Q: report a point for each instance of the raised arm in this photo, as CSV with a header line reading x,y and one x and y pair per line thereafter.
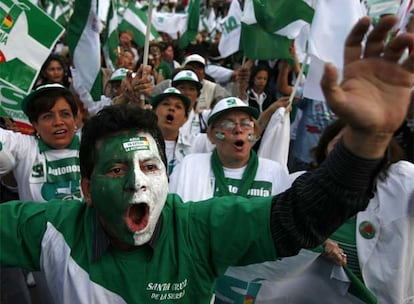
x,y
373,99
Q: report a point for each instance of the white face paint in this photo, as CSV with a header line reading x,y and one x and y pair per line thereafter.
x,y
156,184
130,186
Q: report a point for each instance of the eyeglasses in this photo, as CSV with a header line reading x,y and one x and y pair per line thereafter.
x,y
229,125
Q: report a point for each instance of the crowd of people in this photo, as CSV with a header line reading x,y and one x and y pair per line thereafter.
x,y
158,191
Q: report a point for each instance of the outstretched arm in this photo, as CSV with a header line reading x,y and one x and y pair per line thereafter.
x,y
373,99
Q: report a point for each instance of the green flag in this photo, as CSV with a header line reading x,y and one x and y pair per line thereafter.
x,y
275,15
269,27
192,24
24,42
135,20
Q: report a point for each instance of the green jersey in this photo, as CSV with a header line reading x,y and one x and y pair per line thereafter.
x,y
196,243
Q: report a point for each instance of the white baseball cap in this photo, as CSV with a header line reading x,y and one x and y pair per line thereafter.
x,y
40,90
119,74
194,58
171,91
229,104
186,75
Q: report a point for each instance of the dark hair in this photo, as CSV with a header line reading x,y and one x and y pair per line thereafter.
x,y
47,100
62,62
113,120
256,69
320,151
394,151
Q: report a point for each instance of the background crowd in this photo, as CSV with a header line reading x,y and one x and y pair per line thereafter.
x,y
218,117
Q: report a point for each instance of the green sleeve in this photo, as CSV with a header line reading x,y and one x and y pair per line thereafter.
x,y
22,225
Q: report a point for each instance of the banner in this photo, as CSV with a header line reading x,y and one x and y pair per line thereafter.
x,y
24,42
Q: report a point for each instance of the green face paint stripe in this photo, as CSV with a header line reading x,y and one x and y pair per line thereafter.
x,y
136,143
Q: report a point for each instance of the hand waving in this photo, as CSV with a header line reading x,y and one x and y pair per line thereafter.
x,y
375,92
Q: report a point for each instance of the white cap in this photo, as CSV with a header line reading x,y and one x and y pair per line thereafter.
x,y
171,91
119,74
194,58
229,104
186,75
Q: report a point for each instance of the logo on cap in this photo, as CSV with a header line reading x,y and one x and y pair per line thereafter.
x,y
231,102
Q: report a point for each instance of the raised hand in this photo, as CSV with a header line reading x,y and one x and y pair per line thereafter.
x,y
375,92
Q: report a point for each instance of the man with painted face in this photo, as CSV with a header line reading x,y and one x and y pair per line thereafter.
x,y
133,243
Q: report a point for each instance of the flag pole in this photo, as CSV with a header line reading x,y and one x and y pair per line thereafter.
x,y
304,62
298,80
147,41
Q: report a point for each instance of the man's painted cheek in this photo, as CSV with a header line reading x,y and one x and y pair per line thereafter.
x,y
110,198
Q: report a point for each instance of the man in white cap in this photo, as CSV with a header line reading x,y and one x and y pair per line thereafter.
x,y
233,168
210,91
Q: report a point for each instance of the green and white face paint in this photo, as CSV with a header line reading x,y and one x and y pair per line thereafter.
x,y
129,186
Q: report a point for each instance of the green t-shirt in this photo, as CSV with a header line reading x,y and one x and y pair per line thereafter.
x,y
197,242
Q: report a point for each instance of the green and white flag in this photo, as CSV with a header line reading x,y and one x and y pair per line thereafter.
x,y
83,40
111,44
230,30
60,10
24,42
135,20
268,27
209,21
10,106
193,23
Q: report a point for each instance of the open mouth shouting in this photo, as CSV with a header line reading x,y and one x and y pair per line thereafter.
x,y
137,216
238,144
170,118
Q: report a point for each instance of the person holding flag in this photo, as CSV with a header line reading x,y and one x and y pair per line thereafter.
x,y
131,242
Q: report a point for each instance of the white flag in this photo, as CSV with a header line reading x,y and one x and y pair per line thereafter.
x,y
276,138
170,23
231,29
327,37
